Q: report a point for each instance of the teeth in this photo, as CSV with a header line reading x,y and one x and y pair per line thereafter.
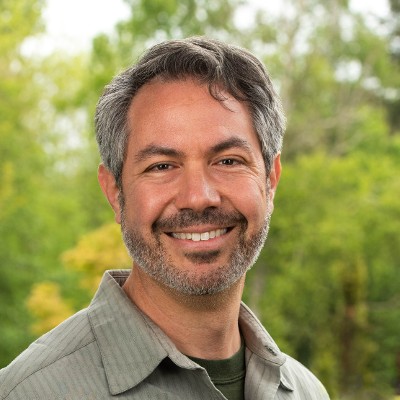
x,y
205,236
196,237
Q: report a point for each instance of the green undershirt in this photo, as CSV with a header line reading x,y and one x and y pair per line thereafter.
x,y
227,375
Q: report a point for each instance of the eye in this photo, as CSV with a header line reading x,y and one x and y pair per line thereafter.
x,y
159,167
162,167
229,161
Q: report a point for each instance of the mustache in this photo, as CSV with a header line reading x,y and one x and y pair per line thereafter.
x,y
187,218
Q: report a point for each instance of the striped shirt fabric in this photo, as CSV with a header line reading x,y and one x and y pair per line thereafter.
x,y
111,350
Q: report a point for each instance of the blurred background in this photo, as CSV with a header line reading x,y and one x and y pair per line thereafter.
x,y
327,285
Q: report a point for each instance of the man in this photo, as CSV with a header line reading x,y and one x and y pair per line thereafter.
x,y
190,140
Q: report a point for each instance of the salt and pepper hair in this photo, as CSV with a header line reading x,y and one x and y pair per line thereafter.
x,y
218,65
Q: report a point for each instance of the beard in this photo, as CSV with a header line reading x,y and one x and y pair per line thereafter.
x,y
152,258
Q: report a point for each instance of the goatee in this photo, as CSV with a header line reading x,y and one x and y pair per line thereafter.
x,y
150,255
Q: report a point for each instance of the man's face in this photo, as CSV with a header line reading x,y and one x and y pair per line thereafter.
x,y
196,201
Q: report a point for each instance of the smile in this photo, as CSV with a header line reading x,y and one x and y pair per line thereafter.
x,y
196,237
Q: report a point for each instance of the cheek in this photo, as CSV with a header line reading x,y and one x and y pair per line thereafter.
x,y
145,205
252,201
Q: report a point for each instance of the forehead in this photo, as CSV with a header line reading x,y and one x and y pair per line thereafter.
x,y
179,110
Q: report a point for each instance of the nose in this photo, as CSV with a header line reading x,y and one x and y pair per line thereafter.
x,y
197,191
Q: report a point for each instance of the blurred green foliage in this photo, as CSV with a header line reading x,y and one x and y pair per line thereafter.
x,y
326,285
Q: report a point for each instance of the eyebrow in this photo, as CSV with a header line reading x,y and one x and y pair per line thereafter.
x,y
233,142
155,150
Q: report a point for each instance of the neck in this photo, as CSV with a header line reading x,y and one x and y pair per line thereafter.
x,y
199,326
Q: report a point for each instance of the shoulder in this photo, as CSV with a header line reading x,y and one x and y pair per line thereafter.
x,y
48,353
300,379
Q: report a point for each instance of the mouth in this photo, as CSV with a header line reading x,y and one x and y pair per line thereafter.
x,y
200,236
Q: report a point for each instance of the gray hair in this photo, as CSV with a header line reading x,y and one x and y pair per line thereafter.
x,y
219,65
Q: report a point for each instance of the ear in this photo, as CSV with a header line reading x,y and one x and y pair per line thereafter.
x,y
274,177
110,189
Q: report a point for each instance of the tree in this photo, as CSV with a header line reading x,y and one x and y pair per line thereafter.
x,y
95,252
328,62
18,19
38,216
326,282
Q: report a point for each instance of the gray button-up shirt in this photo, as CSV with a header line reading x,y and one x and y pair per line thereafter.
x,y
112,350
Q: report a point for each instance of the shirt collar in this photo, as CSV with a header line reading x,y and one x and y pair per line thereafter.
x,y
257,338
128,348
132,346
260,342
